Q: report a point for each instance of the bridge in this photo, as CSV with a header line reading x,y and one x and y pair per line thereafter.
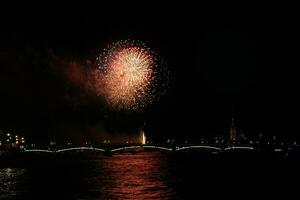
x,y
151,147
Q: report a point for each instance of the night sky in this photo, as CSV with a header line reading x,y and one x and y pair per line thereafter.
x,y
218,55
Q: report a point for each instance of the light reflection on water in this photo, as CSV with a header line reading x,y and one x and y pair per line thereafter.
x,y
145,175
122,176
137,177
9,178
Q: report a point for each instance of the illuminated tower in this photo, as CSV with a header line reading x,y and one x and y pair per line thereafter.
x,y
232,132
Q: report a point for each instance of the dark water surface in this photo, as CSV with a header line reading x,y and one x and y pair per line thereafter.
x,y
147,175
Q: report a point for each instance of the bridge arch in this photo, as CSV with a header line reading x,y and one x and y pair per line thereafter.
x,y
38,150
238,148
79,149
199,147
145,147
157,147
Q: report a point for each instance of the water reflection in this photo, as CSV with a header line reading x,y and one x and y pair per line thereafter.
x,y
10,179
136,176
122,176
146,175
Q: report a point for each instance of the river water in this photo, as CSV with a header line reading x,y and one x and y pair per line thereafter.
x,y
146,175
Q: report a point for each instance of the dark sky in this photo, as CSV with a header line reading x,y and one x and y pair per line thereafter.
x,y
217,54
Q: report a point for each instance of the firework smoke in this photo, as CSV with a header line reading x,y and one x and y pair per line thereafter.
x,y
126,75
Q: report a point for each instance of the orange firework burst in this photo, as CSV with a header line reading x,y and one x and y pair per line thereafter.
x,y
129,75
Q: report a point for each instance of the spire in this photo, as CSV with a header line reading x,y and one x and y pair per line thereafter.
x,y
232,131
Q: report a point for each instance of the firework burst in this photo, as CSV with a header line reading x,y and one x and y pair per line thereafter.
x,y
130,75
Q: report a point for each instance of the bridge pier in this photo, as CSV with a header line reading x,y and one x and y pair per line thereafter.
x,y
107,152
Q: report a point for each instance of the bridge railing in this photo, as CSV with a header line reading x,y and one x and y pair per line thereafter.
x,y
84,148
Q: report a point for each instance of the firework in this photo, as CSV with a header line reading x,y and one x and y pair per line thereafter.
x,y
129,75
